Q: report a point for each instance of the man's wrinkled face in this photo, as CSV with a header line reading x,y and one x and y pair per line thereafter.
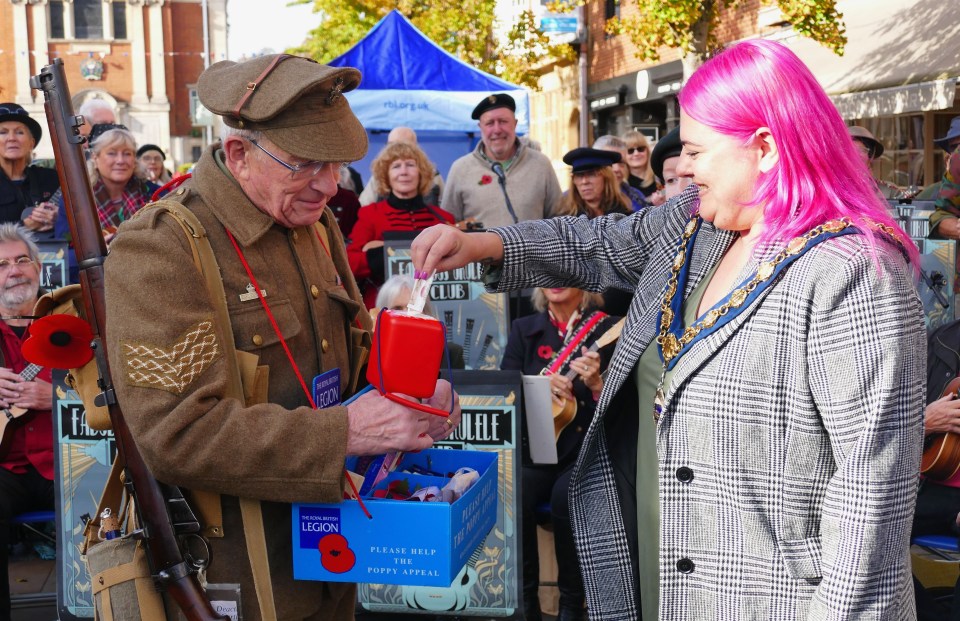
x,y
498,128
290,198
19,275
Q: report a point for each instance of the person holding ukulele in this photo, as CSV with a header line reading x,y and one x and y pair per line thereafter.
x,y
556,341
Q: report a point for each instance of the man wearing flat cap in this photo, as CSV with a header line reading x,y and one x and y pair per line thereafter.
x,y
503,180
261,195
870,150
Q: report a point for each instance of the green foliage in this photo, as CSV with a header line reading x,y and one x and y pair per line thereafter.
x,y
462,27
691,25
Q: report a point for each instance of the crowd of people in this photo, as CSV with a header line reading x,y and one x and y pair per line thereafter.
x,y
749,449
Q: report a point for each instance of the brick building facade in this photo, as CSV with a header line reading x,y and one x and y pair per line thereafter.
x,y
143,57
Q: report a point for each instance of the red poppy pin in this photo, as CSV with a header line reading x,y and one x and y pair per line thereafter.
x,y
545,352
484,180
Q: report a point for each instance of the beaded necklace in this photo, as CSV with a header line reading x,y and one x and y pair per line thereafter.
x,y
673,340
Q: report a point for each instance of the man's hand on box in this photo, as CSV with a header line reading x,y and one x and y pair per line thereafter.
x,y
378,425
443,426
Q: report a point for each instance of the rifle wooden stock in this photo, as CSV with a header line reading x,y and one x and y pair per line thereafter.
x,y
170,570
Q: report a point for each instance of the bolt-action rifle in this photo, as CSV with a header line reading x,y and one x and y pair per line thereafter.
x,y
170,571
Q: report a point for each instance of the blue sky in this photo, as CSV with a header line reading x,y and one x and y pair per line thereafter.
x,y
258,24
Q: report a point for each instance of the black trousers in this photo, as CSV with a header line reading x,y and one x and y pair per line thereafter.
x,y
18,493
542,484
936,514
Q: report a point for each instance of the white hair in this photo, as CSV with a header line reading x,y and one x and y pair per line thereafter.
x,y
92,105
393,287
246,134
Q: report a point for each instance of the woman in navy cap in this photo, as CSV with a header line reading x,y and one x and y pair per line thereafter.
x,y
594,190
23,186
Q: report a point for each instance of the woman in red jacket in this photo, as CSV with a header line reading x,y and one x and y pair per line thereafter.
x,y
405,169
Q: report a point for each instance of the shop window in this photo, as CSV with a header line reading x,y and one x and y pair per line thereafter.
x,y
612,9
902,161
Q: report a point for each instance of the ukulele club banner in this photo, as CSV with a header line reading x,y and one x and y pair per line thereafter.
x,y
53,264
82,464
474,319
487,586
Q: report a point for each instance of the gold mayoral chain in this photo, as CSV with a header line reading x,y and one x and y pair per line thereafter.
x,y
671,344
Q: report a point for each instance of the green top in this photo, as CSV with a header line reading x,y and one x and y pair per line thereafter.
x,y
647,377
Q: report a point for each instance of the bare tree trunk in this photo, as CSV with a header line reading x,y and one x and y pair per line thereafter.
x,y
700,39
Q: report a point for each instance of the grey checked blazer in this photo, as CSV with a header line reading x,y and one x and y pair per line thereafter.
x,y
801,421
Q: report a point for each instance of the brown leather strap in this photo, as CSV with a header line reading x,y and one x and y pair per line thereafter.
x,y
255,535
252,86
250,510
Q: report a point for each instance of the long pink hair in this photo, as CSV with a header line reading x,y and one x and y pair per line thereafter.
x,y
820,175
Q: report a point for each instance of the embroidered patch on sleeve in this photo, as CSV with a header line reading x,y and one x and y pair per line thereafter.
x,y
172,369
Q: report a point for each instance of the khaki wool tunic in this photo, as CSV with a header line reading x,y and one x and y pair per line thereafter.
x,y
159,317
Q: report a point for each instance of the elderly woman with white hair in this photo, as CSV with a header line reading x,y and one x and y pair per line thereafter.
x,y
394,294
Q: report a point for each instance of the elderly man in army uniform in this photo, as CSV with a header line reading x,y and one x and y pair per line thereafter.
x,y
258,194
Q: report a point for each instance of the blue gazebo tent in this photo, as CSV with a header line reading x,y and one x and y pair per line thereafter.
x,y
410,80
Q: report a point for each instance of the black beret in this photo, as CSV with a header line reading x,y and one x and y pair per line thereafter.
x,y
15,112
151,147
667,147
100,129
585,158
490,102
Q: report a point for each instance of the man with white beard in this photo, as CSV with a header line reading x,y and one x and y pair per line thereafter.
x,y
26,454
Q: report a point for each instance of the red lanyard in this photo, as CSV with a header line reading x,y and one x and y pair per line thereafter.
x,y
273,322
286,348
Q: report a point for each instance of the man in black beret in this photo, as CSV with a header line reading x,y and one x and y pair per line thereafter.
x,y
664,160
503,180
261,195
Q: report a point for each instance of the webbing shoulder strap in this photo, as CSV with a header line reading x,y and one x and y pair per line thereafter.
x,y
206,262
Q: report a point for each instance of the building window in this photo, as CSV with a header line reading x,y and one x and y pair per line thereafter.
x,y
85,19
119,20
56,19
88,19
612,9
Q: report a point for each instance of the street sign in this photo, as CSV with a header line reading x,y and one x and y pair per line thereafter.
x,y
558,24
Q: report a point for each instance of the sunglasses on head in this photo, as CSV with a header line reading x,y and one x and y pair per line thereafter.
x,y
640,149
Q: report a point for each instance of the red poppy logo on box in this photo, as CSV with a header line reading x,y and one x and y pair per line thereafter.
x,y
484,180
335,554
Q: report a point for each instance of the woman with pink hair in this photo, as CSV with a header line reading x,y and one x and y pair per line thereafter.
x,y
755,447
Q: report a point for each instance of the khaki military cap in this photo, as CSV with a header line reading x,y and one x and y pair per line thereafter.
x,y
297,103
